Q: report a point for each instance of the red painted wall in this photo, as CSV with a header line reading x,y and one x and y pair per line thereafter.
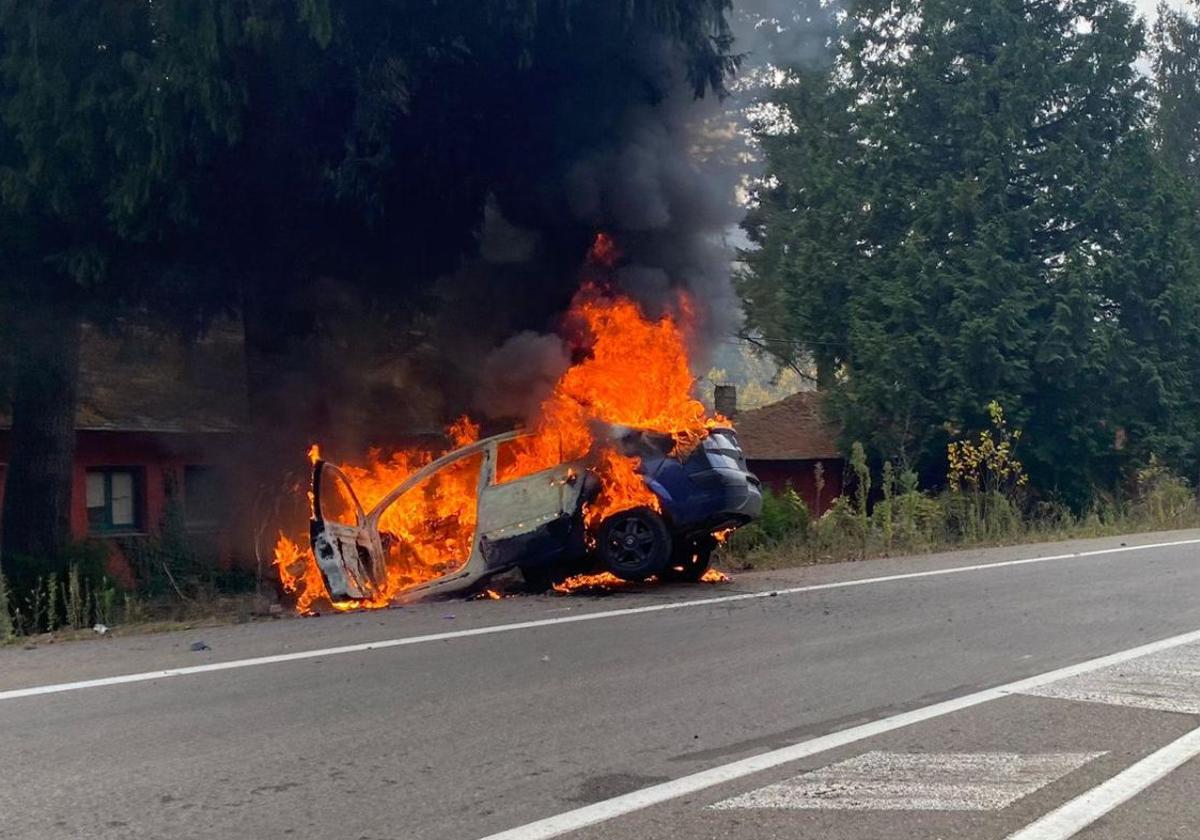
x,y
160,458
801,476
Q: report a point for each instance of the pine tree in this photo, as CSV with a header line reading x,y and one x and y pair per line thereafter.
x,y
1003,231
1176,53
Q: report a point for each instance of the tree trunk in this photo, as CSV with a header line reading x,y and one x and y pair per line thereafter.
x,y
36,521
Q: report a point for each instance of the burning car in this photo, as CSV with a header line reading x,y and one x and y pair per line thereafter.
x,y
540,522
632,480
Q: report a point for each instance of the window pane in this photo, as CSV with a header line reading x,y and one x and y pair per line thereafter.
x,y
122,499
95,489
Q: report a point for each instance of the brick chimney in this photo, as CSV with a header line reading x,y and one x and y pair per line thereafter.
x,y
725,401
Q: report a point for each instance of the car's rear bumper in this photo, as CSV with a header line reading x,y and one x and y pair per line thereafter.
x,y
742,493
720,498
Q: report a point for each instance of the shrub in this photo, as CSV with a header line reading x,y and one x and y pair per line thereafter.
x,y
7,629
979,516
1164,499
74,599
862,489
104,600
1054,517
784,516
52,616
917,521
841,532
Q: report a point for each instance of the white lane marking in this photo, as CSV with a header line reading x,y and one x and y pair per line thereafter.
x,y
102,682
656,794
1083,810
1167,683
889,781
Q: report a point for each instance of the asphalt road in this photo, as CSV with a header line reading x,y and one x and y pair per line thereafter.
x,y
514,712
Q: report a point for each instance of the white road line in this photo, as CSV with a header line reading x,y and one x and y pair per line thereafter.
x,y
1084,810
902,781
656,794
102,682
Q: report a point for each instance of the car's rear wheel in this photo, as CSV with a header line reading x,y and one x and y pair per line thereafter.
x,y
691,559
634,544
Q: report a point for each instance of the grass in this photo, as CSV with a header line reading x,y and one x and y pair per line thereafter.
x,y
133,615
917,523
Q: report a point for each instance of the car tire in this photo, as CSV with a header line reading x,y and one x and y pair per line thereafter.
x,y
690,560
634,544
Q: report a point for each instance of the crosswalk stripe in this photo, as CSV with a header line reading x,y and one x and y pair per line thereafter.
x,y
1168,682
889,781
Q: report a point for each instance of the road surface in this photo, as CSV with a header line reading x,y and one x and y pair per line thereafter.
x,y
1031,692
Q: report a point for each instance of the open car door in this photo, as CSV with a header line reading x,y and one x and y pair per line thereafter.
x,y
360,561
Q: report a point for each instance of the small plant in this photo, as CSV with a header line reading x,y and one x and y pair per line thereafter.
x,y
7,627
989,464
37,607
74,599
784,516
134,609
887,517
988,470
104,601
52,615
840,533
862,489
1163,498
909,503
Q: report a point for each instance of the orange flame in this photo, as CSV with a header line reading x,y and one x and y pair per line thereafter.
x,y
632,371
463,431
603,581
298,573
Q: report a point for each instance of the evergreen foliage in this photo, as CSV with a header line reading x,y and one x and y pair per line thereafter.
x,y
971,207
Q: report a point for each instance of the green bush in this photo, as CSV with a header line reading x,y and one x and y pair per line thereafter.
x,y
1053,517
1164,500
841,533
784,516
979,516
917,521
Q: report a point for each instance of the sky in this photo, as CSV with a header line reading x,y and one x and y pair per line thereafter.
x,y
1147,7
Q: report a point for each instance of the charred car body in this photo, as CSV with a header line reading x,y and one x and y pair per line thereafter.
x,y
536,522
